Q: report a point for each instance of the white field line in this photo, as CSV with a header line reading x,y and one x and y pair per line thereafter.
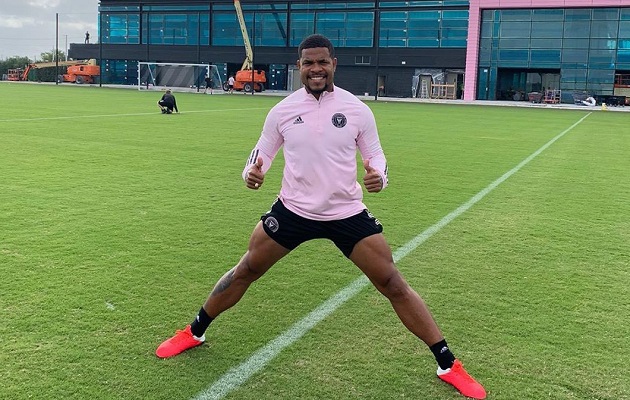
x,y
236,376
126,115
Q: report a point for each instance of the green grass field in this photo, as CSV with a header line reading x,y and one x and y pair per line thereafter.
x,y
116,220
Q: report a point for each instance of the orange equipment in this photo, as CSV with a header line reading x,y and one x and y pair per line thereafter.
x,y
243,80
247,78
80,71
14,74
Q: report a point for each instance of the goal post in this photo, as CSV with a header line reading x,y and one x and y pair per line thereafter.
x,y
160,76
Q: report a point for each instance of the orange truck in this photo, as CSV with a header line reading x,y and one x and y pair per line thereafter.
x,y
243,80
81,73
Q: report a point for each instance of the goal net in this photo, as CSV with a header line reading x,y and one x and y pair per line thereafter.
x,y
160,76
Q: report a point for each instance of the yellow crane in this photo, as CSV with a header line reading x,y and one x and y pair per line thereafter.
x,y
247,78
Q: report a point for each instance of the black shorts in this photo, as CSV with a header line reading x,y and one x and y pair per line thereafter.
x,y
290,230
166,104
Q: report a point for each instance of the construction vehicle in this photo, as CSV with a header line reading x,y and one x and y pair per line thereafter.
x,y
14,74
80,71
247,79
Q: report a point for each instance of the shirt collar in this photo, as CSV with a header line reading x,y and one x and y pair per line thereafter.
x,y
322,95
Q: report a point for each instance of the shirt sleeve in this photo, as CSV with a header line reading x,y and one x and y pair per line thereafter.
x,y
370,145
267,146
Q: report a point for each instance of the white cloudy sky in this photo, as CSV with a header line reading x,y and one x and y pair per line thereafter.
x,y
27,27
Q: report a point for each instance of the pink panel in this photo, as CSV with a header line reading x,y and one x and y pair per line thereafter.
x,y
472,51
582,3
516,4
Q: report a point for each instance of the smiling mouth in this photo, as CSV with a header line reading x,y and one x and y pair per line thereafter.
x,y
317,78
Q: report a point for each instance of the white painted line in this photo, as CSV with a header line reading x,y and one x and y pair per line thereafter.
x,y
126,115
236,376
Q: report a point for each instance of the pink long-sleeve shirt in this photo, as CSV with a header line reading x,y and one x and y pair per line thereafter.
x,y
320,139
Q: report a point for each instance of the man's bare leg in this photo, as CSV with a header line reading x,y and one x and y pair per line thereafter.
x,y
262,254
374,257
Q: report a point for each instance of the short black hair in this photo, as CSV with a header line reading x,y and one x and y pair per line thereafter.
x,y
314,41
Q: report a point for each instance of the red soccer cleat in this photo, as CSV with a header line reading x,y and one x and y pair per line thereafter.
x,y
183,340
459,378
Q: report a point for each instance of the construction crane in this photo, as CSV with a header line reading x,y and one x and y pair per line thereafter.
x,y
247,78
248,64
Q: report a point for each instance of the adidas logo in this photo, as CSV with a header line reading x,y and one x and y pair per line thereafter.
x,y
298,120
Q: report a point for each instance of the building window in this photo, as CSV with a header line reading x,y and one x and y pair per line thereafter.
x,y
454,28
225,30
120,28
329,5
363,60
302,25
346,29
270,29
175,29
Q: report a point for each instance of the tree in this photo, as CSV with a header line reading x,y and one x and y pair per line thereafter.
x,y
40,74
48,74
49,56
13,62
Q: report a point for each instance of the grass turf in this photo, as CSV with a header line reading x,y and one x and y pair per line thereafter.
x,y
116,220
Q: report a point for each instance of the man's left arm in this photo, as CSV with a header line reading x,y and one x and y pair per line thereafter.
x,y
373,180
374,160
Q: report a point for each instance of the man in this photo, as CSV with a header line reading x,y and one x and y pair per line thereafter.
x,y
167,103
320,128
87,37
231,84
208,84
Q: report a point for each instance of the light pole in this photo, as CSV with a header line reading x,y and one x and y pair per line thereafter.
x,y
377,40
56,48
253,47
100,49
66,47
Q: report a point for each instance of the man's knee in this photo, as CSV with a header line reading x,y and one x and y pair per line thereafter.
x,y
393,286
248,269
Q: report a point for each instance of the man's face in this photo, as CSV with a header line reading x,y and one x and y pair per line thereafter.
x,y
317,70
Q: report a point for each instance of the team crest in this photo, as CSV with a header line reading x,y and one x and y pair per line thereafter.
x,y
272,224
339,120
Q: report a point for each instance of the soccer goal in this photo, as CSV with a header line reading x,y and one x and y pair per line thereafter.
x,y
160,76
